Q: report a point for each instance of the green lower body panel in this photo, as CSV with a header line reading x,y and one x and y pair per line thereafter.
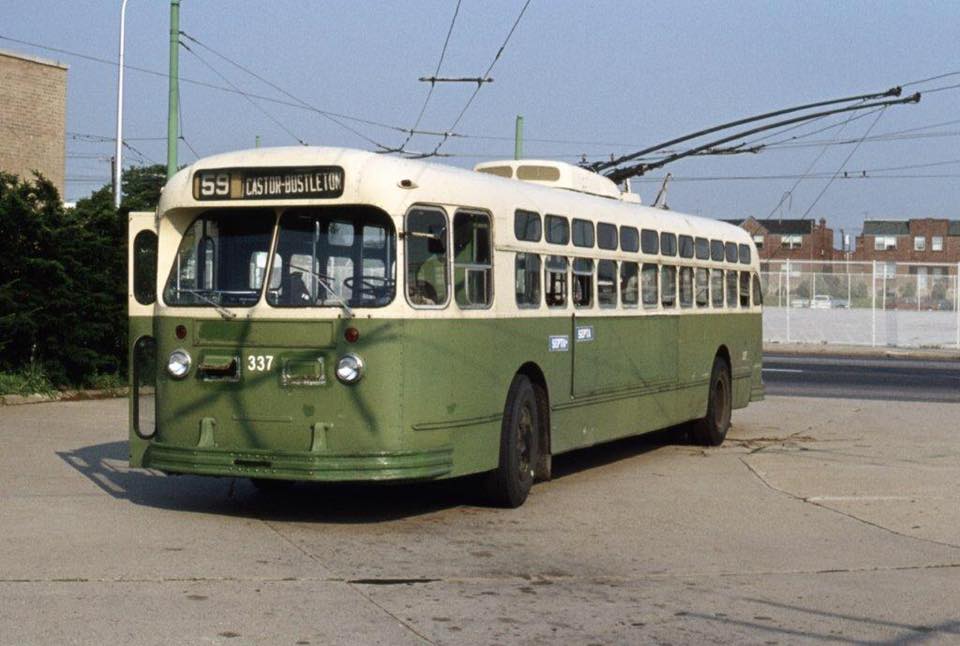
x,y
398,465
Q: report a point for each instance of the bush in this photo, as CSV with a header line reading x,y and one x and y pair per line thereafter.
x,y
28,381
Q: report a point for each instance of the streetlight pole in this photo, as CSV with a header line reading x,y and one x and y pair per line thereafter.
x,y
118,165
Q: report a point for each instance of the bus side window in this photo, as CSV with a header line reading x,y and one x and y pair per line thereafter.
x,y
145,267
757,291
426,241
744,289
731,288
716,287
556,281
527,278
648,285
668,286
630,284
607,283
686,284
582,282
703,287
472,267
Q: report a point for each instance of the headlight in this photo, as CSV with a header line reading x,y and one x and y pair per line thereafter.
x,y
178,365
349,368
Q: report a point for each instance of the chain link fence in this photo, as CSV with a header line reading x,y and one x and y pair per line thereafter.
x,y
861,303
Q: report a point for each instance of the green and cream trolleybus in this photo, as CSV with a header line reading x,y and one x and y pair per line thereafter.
x,y
337,315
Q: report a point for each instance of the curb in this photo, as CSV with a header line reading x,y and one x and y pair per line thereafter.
x,y
63,396
825,350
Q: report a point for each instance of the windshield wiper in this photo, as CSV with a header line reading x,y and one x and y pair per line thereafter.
x,y
323,283
221,310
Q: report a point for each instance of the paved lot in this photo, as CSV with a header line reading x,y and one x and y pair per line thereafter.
x,y
819,521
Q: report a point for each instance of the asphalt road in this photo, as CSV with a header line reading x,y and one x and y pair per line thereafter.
x,y
859,378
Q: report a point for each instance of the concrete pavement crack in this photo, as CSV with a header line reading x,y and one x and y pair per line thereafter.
x,y
354,587
863,521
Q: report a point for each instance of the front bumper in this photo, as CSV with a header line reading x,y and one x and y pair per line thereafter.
x,y
347,467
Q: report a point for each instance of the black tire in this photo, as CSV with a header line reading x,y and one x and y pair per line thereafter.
x,y
509,484
712,429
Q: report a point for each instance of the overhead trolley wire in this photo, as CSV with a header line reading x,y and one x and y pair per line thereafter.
x,y
300,103
247,97
446,135
842,166
433,84
221,88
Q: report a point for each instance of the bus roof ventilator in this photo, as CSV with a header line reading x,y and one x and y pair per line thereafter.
x,y
557,175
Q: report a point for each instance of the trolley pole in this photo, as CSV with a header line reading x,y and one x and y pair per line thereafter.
x,y
173,104
518,138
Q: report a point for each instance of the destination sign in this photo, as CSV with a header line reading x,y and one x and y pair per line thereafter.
x,y
277,183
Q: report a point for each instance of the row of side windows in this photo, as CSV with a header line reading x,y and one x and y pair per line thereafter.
x,y
649,284
557,229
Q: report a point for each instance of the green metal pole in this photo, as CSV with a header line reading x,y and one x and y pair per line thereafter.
x,y
173,105
518,139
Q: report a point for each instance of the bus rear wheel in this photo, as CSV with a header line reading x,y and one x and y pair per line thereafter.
x,y
712,429
509,484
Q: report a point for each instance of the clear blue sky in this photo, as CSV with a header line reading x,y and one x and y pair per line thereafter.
x,y
606,76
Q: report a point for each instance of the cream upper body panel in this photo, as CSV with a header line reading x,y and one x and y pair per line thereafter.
x,y
395,184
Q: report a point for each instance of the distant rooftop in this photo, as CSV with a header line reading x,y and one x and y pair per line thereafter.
x,y
901,227
780,226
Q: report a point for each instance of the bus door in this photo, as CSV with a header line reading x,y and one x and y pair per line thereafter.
x,y
142,349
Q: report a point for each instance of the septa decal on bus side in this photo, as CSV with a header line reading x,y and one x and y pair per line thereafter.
x,y
584,333
559,343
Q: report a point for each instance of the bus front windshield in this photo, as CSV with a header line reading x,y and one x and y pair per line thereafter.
x,y
333,256
222,259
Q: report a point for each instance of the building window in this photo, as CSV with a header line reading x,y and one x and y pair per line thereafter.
x,y
758,240
792,241
884,243
919,243
936,243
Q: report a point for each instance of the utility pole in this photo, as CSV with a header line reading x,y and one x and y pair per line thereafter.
x,y
118,154
173,104
518,138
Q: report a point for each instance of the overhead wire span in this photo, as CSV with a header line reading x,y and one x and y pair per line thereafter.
x,y
244,95
213,86
810,167
331,116
476,91
842,166
426,101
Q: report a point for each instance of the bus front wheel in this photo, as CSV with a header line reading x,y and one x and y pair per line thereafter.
x,y
510,482
712,429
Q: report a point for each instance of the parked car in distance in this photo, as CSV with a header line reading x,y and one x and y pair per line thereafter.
x,y
841,304
799,302
821,302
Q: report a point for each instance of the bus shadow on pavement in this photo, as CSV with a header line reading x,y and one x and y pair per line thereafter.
x,y
105,465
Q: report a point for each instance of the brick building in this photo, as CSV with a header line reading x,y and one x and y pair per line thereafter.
x,y
33,110
917,241
790,239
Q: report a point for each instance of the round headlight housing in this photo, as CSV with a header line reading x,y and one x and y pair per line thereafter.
x,y
178,365
349,368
